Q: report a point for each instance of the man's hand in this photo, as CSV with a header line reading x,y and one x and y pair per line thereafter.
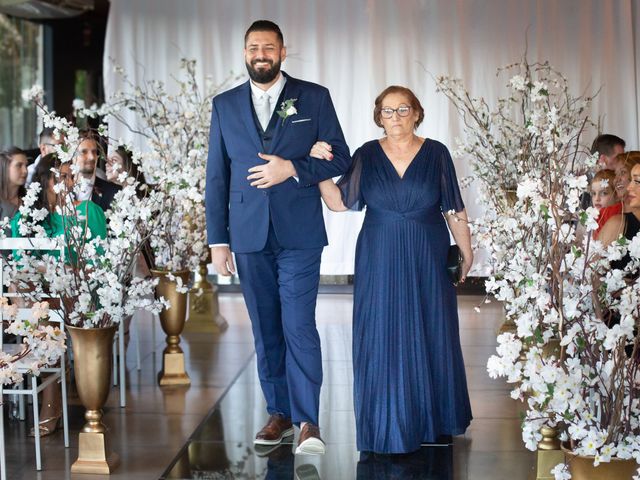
x,y
223,260
275,171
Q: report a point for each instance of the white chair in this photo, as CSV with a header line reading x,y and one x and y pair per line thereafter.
x,y
120,358
55,372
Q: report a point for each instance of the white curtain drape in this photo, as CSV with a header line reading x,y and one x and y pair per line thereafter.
x,y
359,47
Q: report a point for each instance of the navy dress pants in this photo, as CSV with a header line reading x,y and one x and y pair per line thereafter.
x,y
280,288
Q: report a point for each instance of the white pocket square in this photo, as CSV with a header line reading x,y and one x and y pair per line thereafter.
x,y
301,120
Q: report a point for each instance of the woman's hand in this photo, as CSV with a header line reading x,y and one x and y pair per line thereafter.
x,y
459,226
467,262
321,150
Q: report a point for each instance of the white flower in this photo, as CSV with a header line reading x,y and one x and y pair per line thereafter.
x,y
291,111
561,472
78,104
35,93
518,82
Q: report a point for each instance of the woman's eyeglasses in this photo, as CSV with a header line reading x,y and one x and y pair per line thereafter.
x,y
402,111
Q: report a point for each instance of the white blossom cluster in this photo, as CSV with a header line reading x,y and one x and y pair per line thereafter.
x,y
42,344
574,313
176,132
96,282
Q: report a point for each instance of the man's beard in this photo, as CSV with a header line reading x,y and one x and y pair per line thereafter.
x,y
87,171
264,75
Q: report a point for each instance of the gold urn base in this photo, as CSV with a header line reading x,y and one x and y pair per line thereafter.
x,y
546,461
93,456
204,311
549,453
203,314
173,373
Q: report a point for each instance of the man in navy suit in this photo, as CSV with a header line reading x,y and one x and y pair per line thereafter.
x,y
263,203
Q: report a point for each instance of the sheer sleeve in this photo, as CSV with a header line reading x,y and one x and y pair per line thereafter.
x,y
349,183
450,197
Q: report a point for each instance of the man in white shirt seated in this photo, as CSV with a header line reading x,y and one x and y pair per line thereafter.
x,y
89,184
47,144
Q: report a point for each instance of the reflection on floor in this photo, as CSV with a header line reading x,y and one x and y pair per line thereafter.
x,y
159,425
156,422
222,445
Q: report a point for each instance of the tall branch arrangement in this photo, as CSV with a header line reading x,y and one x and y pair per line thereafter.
x,y
572,358
95,283
175,131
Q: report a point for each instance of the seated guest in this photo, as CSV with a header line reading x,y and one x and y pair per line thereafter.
x,y
13,176
92,187
54,225
47,144
626,221
625,162
120,161
627,225
603,193
608,147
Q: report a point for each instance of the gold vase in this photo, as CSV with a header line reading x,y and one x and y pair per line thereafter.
x,y
204,310
509,325
92,350
172,321
581,467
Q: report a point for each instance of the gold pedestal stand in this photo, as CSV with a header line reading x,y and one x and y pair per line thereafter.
x,y
549,454
173,372
204,312
92,348
93,456
172,321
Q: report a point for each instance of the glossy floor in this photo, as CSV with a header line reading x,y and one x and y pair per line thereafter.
x,y
178,434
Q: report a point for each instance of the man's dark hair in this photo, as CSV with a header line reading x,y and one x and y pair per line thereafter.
x,y
605,143
264,26
47,132
87,134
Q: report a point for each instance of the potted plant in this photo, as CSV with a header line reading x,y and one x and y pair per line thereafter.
x,y
95,282
173,128
572,366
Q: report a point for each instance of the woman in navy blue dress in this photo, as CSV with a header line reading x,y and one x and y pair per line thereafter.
x,y
409,379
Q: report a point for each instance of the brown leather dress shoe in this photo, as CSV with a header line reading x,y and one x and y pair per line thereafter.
x,y
310,442
274,431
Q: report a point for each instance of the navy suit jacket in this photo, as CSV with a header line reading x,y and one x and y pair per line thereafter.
x,y
103,193
238,213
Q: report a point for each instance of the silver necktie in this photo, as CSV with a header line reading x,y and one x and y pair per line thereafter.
x,y
264,113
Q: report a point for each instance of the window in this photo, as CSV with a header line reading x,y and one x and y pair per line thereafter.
x,y
20,68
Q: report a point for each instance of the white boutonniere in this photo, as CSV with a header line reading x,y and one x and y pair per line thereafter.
x,y
287,109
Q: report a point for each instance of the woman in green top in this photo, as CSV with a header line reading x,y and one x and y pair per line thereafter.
x,y
88,214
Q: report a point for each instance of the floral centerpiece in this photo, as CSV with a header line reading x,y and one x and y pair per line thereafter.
x,y
572,357
95,282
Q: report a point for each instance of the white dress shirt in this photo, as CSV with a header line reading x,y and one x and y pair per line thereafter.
x,y
257,94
